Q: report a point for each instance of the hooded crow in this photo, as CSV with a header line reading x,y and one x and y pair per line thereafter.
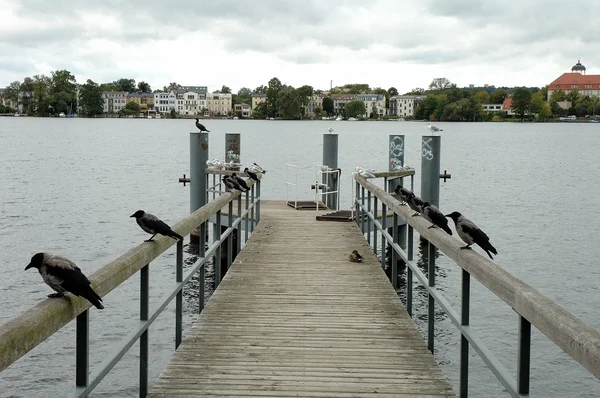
x,y
251,174
415,203
355,257
471,234
154,225
403,193
229,185
432,214
240,181
201,126
62,275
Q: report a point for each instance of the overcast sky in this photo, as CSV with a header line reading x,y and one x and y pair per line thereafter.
x,y
400,43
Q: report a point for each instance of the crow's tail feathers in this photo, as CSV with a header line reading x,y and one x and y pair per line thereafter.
x,y
175,235
489,248
447,229
93,298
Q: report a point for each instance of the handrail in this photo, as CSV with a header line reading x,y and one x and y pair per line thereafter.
x,y
26,331
575,337
288,183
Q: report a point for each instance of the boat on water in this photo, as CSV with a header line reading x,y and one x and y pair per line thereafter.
x,y
593,121
352,119
337,119
570,118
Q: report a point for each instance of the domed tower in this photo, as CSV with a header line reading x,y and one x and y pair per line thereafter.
x,y
578,68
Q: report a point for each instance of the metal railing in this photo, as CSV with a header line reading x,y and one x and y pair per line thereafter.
x,y
576,338
324,170
26,331
288,183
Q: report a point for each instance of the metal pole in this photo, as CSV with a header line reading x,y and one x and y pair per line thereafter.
x,y
82,361
144,306
464,343
198,158
430,168
431,303
330,158
179,297
396,161
232,149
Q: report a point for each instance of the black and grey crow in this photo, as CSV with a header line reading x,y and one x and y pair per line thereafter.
x,y
432,214
62,275
201,126
154,225
251,174
229,185
403,193
415,203
241,182
471,234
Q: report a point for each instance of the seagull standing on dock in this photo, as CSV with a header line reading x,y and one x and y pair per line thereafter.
x,y
437,219
154,225
62,275
201,126
471,234
433,128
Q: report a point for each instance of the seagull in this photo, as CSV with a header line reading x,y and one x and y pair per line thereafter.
x,y
257,168
437,219
363,173
201,126
433,128
154,225
471,234
241,182
251,174
415,203
62,275
330,129
355,257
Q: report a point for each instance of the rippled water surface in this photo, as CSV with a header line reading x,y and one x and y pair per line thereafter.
x,y
68,186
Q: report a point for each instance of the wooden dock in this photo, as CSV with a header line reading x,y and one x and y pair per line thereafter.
x,y
294,317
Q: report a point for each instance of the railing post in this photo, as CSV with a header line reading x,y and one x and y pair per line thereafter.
x,y
217,258
464,343
524,354
252,197
330,158
431,302
144,304
383,228
395,238
356,206
179,297
82,349
239,227
229,239
258,203
247,219
396,162
362,210
369,217
430,169
202,278
375,206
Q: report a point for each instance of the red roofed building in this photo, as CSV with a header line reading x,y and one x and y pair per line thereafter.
x,y
577,79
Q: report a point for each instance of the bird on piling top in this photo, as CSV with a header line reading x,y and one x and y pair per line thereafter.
x,y
355,257
62,275
433,128
241,182
330,129
437,219
154,225
471,234
251,174
201,126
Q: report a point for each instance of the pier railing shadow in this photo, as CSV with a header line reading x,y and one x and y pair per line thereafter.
x,y
573,336
23,333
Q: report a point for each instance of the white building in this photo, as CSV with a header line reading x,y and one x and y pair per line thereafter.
x,y
114,101
190,100
165,102
314,101
219,104
405,105
492,107
374,103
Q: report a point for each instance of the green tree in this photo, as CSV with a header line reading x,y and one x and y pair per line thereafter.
x,y
225,90
539,106
272,93
127,85
13,92
63,91
573,96
392,91
498,96
318,111
356,88
440,84
144,87
173,86
289,103
521,100
328,105
90,98
27,95
244,95
355,108
427,107
260,112
416,91
305,92
109,87
132,108
260,90
41,96
482,97
558,96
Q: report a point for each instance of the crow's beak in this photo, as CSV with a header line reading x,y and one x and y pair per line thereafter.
x,y
133,215
447,215
28,266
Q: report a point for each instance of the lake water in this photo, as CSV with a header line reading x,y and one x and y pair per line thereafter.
x,y
68,186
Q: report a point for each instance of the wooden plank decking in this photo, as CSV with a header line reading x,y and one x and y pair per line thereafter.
x,y
294,318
